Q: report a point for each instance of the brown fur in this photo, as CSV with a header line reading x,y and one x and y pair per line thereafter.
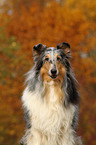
x,y
45,70
57,81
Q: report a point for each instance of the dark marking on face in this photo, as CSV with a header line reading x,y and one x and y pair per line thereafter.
x,y
53,69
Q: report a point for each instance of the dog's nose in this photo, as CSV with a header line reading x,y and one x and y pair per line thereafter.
x,y
53,71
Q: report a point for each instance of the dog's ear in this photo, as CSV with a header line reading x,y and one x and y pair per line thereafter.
x,y
38,49
66,47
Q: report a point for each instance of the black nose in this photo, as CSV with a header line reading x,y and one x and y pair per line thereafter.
x,y
53,71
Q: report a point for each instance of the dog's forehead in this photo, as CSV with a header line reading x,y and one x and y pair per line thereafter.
x,y
51,51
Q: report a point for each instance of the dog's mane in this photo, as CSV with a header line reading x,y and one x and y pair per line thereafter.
x,y
69,85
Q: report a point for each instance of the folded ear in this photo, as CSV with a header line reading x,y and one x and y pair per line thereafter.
x,y
38,49
66,47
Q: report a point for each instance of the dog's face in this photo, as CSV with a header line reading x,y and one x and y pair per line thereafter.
x,y
53,67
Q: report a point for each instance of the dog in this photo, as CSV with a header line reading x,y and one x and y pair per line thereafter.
x,y
51,99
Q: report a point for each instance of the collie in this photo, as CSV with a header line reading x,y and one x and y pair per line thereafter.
x,y
51,100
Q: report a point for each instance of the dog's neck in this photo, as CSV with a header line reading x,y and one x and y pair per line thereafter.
x,y
53,92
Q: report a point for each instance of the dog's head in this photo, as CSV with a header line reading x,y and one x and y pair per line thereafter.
x,y
52,63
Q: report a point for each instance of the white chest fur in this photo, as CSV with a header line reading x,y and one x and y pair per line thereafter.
x,y
51,119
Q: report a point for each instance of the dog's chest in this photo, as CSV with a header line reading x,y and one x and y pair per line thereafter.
x,y
48,117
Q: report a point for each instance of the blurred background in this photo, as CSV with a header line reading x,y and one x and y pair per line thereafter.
x,y
25,23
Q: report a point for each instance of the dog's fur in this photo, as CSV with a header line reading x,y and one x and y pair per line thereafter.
x,y
50,99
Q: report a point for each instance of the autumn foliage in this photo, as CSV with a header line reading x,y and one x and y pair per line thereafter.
x,y
73,22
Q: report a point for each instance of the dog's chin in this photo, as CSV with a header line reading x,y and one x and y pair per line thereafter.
x,y
53,76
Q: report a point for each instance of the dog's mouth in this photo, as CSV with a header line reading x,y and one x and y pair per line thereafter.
x,y
53,76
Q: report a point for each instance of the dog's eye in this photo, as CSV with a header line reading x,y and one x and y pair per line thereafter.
x,y
58,58
46,59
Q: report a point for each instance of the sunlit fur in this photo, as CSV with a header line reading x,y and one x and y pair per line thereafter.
x,y
50,104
